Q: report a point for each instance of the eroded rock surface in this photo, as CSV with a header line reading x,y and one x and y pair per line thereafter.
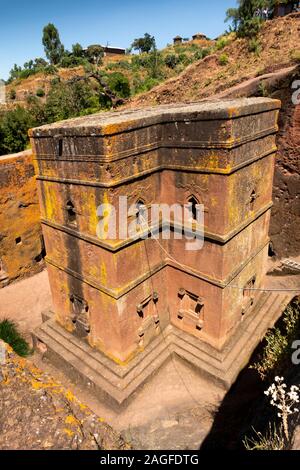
x,y
38,413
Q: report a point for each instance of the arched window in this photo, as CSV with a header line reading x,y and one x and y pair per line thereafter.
x,y
71,214
193,207
253,198
140,212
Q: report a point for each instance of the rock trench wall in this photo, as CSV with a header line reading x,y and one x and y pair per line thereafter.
x,y
21,245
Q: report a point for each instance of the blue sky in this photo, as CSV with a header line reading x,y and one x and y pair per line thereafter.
x,y
115,22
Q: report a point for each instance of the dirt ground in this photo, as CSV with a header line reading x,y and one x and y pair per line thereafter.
x,y
24,301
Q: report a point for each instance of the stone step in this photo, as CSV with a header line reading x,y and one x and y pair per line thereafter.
x,y
257,322
120,371
68,353
267,311
70,346
273,310
210,354
115,373
117,384
77,370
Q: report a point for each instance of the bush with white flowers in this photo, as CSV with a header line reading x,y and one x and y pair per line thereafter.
x,y
284,401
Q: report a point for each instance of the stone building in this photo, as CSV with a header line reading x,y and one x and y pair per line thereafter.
x,y
123,306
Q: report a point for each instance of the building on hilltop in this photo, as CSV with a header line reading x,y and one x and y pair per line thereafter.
x,y
199,36
108,50
177,40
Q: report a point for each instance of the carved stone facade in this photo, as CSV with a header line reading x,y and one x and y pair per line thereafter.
x,y
136,299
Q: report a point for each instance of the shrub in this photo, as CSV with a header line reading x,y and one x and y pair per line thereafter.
x,y
37,110
221,43
198,55
25,73
40,92
254,46
143,85
10,334
205,52
295,56
263,89
66,100
223,59
111,66
150,83
122,64
12,94
194,47
171,60
119,84
139,61
50,70
154,65
179,49
55,81
29,68
14,73
184,58
70,60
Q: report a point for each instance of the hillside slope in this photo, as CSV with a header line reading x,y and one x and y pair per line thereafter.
x,y
271,73
277,47
141,70
278,44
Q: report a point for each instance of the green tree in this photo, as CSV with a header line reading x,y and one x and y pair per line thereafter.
x,y
29,65
243,18
51,41
144,44
155,64
39,62
95,54
29,68
14,127
77,50
66,100
14,73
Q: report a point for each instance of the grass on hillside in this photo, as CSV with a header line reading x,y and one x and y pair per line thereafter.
x,y
10,334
